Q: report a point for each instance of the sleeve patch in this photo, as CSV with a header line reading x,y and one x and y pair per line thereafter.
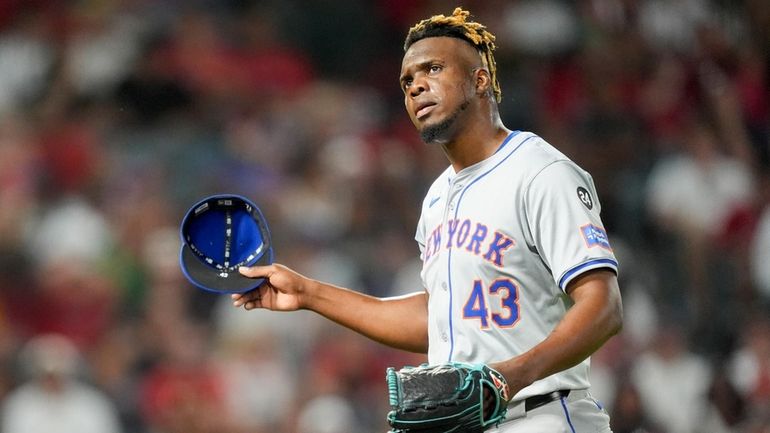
x,y
595,236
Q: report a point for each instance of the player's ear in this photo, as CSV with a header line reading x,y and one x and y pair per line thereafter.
x,y
482,80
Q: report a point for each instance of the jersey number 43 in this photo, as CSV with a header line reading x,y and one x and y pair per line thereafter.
x,y
503,291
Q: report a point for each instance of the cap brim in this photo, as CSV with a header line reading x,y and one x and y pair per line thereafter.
x,y
212,280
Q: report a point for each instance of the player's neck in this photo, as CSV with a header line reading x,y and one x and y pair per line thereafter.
x,y
475,144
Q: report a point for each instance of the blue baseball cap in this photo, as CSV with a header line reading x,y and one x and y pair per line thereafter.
x,y
220,234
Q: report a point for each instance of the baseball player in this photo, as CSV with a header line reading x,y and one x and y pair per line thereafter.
x,y
518,271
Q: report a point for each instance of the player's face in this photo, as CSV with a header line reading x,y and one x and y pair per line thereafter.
x,y
437,80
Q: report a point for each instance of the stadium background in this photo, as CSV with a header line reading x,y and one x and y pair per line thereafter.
x,y
116,115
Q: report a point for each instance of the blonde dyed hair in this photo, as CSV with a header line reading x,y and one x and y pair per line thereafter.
x,y
458,26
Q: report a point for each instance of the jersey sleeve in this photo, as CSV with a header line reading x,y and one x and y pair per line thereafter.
x,y
563,218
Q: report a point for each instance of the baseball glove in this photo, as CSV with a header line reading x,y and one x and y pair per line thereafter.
x,y
446,398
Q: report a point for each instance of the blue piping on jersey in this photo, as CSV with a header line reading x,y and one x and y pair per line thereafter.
x,y
457,210
569,274
598,404
507,139
566,414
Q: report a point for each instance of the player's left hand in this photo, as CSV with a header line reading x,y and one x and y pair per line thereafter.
x,y
446,397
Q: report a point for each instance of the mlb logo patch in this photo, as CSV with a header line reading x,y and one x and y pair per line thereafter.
x,y
595,236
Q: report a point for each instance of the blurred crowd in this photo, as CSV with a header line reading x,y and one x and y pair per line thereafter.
x,y
117,115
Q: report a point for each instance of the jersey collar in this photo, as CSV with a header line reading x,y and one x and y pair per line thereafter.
x,y
473,169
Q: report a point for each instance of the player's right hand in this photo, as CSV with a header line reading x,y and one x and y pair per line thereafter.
x,y
281,291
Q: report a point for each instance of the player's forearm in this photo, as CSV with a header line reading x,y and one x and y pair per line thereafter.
x,y
595,317
400,322
584,329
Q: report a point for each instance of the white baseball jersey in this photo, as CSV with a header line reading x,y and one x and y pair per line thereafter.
x,y
500,240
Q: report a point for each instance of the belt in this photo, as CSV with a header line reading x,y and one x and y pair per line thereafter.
x,y
536,401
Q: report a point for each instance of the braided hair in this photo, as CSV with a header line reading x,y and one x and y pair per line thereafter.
x,y
458,26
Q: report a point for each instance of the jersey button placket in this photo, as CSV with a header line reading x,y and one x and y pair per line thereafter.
x,y
451,200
